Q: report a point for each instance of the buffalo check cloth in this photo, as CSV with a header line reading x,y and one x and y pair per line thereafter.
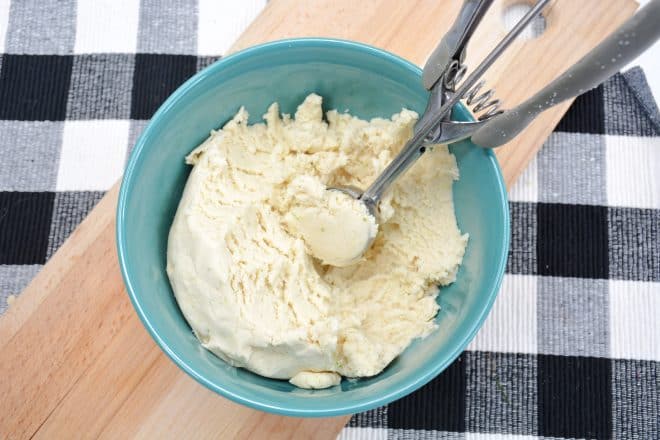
x,y
571,348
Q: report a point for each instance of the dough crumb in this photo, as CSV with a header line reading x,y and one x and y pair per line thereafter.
x,y
315,380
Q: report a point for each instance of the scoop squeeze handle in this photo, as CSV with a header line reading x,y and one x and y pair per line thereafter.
x,y
453,43
616,51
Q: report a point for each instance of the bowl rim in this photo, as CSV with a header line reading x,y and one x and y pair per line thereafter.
x,y
428,372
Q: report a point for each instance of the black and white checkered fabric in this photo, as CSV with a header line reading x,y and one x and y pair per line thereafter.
x,y
572,346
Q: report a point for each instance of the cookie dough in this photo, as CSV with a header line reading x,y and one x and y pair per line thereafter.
x,y
250,274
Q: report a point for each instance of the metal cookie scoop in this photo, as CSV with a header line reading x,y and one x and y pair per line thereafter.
x,y
445,69
435,77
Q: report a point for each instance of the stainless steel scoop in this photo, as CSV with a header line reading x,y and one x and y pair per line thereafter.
x,y
445,68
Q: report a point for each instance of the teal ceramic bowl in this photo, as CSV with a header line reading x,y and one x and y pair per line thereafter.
x,y
367,81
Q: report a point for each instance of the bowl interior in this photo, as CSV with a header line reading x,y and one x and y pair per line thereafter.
x,y
349,76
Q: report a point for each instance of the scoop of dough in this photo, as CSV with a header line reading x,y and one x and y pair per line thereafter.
x,y
336,228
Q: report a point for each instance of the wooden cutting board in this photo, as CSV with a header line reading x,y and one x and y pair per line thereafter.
x,y
75,360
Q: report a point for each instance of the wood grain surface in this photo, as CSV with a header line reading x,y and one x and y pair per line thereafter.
x,y
75,360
